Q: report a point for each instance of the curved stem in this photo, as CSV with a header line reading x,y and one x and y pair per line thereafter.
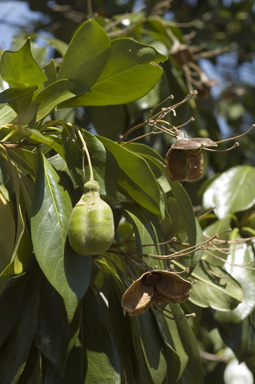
x,y
237,137
85,149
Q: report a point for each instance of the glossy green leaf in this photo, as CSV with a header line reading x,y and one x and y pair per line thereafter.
x,y
26,116
20,70
51,72
120,324
53,326
218,226
14,356
143,229
11,304
67,272
57,92
136,177
104,165
24,158
214,288
86,55
74,369
156,162
103,364
22,242
231,192
172,339
7,114
151,348
21,256
11,94
193,373
131,71
7,228
240,255
193,229
109,121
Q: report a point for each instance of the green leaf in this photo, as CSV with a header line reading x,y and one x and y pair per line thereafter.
x,y
67,272
14,94
241,254
193,373
136,177
120,324
26,116
214,288
22,246
172,338
103,364
151,349
193,229
7,114
217,227
14,355
130,73
104,165
86,55
143,229
20,70
156,162
7,228
231,192
50,72
55,93
109,121
74,370
24,158
53,326
11,305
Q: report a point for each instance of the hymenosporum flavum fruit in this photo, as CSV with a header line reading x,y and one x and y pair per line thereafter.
x,y
91,225
184,160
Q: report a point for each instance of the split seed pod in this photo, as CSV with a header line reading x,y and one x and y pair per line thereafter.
x,y
91,225
153,288
184,160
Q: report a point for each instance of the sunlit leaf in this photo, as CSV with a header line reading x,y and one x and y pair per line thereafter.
x,y
68,273
131,72
86,54
215,288
144,190
104,165
231,192
20,70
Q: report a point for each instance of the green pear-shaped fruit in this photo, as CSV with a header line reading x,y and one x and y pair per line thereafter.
x,y
91,225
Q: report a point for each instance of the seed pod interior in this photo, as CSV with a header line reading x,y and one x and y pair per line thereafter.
x,y
137,297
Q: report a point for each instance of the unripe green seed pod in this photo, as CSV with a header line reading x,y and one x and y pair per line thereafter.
x,y
91,225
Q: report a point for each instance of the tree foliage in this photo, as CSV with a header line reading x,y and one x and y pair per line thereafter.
x,y
174,292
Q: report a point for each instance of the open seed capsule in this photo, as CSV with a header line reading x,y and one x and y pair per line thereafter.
x,y
184,160
153,288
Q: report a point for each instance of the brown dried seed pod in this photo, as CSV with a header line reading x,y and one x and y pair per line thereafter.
x,y
184,160
150,278
153,288
173,287
137,297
